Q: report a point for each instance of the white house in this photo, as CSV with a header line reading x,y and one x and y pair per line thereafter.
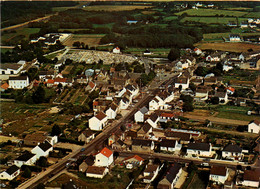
x,y
218,174
155,103
132,89
197,51
98,122
254,127
86,136
201,94
133,161
10,173
124,103
26,159
234,38
251,178
139,115
96,172
172,176
182,81
230,90
199,149
10,69
104,158
153,120
150,173
111,111
18,82
52,139
232,151
223,97
169,145
116,50
43,149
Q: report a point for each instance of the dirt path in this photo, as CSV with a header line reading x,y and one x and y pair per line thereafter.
x,y
216,119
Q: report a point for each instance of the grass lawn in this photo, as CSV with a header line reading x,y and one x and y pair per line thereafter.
x,y
170,18
212,20
4,50
115,7
110,25
212,12
236,116
232,109
90,39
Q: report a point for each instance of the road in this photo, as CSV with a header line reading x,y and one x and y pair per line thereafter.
x,y
91,147
26,23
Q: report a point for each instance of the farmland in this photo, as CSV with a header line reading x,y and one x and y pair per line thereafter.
x,y
115,7
18,34
232,47
212,20
89,39
213,12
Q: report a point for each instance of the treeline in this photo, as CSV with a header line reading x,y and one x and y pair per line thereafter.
x,y
17,12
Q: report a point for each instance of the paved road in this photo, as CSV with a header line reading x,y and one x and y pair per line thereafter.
x,y
93,146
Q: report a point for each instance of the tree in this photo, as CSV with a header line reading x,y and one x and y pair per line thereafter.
x,y
192,86
139,69
174,54
192,167
42,162
201,71
40,186
27,173
187,107
76,44
214,100
39,95
55,131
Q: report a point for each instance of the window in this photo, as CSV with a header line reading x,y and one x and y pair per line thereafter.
x,y
3,72
12,72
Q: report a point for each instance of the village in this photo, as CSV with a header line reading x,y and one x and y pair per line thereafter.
x,y
115,115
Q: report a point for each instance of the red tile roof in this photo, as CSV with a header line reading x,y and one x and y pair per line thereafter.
x,y
167,115
231,89
51,81
257,122
106,152
138,158
101,115
5,86
60,80
91,84
95,103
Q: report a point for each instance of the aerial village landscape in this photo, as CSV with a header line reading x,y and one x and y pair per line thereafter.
x,y
130,94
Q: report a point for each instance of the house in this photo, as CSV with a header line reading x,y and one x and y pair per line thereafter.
x,y
210,81
63,81
116,50
86,136
124,103
197,51
139,115
234,38
43,149
223,97
35,138
133,90
89,161
169,145
18,82
232,24
230,90
10,69
147,52
254,127
111,111
26,159
98,122
183,138
166,116
155,103
244,24
150,173
172,176
232,151
50,82
183,82
10,173
96,172
43,75
133,161
132,22
251,178
153,120
199,149
91,86
218,174
104,158
201,94
142,145
145,130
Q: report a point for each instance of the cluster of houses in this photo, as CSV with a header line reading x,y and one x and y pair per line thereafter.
x,y
41,149
51,38
249,23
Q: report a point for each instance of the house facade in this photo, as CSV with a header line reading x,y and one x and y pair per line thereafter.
x,y
98,122
86,136
104,158
18,82
232,151
199,149
218,174
42,149
25,159
10,173
139,115
254,127
96,172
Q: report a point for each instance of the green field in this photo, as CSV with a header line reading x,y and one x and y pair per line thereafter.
x,y
236,116
4,50
213,20
170,18
212,12
110,25
218,36
115,7
23,32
